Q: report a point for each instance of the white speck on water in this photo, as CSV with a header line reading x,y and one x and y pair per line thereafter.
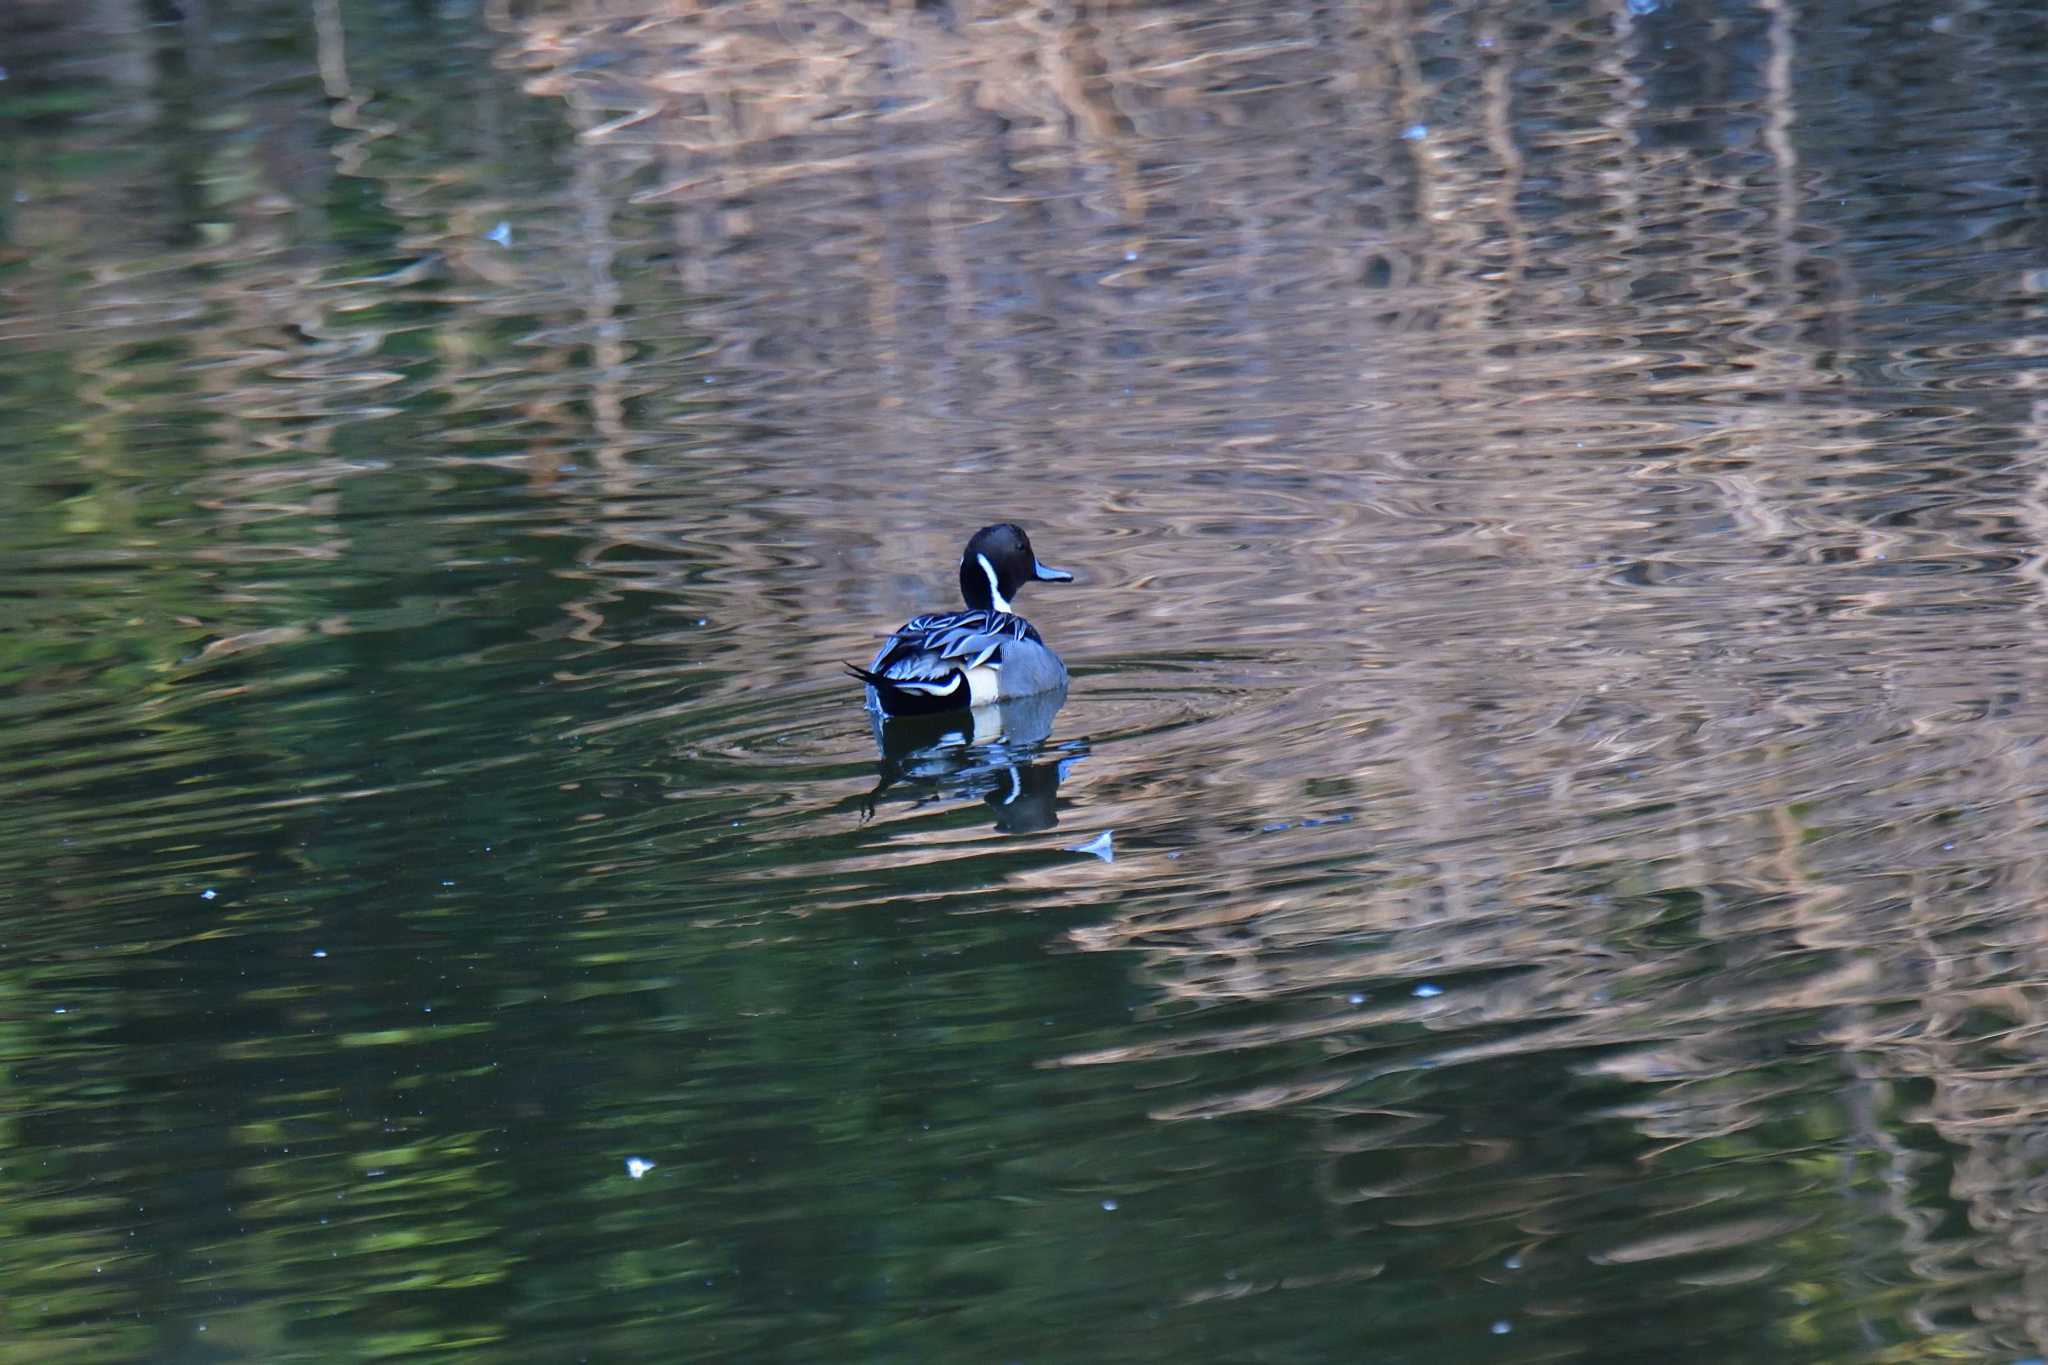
x,y
60,1010
638,1166
1415,132
1513,1262
1644,6
703,620
1109,1206
1503,1327
1355,998
447,883
1102,846
1948,848
319,952
1426,991
208,894
501,234
1130,255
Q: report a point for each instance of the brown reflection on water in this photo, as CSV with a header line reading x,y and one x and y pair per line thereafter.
x,y
1608,570
1558,496
1603,543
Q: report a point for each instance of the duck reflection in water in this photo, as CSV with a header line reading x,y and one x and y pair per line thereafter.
x,y
997,753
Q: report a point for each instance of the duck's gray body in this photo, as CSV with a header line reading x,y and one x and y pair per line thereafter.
x,y
993,655
979,657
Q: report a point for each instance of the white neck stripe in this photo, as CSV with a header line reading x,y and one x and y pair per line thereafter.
x,y
995,591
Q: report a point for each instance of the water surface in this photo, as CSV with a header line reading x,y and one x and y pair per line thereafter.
x,y
1558,669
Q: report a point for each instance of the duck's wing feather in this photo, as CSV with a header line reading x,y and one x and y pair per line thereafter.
x,y
938,645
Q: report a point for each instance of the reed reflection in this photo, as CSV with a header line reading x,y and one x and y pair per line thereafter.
x,y
1561,493
997,754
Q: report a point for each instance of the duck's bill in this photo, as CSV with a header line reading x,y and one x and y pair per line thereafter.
x,y
1048,574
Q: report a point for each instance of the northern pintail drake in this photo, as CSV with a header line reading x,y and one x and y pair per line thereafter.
x,y
947,661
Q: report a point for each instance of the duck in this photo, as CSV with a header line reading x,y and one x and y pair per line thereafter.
x,y
987,654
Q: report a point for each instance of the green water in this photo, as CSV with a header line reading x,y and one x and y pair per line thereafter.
x,y
1558,655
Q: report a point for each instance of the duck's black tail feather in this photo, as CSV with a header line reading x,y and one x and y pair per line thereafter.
x,y
922,697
